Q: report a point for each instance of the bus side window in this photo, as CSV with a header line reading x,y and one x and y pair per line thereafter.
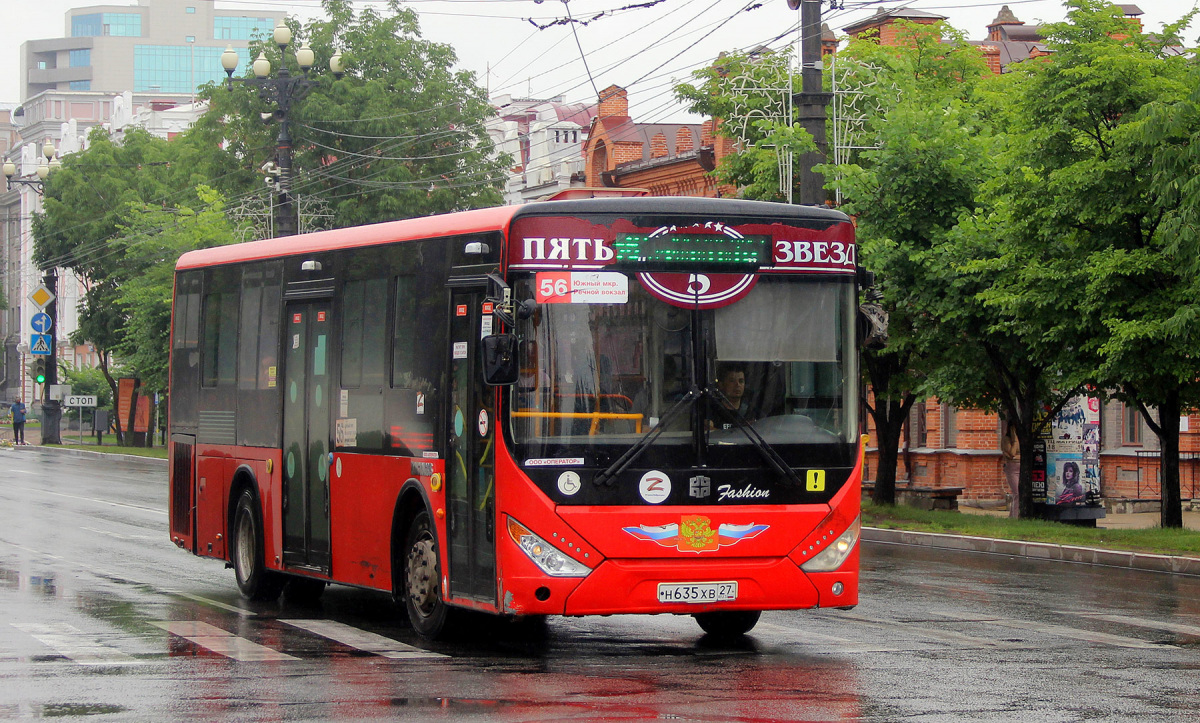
x,y
218,357
352,333
405,334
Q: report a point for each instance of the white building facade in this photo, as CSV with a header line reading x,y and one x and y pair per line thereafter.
x,y
117,66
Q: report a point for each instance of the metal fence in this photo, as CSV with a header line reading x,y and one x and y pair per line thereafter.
x,y
1149,464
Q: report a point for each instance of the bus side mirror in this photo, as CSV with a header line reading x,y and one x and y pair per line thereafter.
x,y
500,360
872,326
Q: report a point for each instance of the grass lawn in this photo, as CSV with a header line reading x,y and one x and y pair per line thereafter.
x,y
1154,539
110,446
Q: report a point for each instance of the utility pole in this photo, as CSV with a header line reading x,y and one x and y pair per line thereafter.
x,y
811,101
51,408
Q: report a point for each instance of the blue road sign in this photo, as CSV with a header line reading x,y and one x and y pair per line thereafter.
x,y
39,344
41,322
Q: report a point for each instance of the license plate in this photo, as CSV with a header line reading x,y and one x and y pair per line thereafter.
x,y
696,592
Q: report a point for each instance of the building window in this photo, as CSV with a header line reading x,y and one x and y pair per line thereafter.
x,y
190,10
127,25
179,68
918,431
81,85
949,426
83,26
1131,425
81,58
231,28
116,24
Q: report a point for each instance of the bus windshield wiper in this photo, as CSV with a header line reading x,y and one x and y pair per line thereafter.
x,y
768,452
610,473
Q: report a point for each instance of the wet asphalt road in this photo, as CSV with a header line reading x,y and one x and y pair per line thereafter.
x,y
102,618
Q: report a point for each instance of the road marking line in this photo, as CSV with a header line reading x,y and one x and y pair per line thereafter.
x,y
92,499
71,642
814,641
1193,630
946,636
119,536
1060,630
220,641
362,639
213,603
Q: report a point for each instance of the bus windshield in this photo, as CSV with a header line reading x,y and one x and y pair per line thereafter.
x,y
779,361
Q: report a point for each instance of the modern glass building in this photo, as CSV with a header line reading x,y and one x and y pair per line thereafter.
x,y
156,46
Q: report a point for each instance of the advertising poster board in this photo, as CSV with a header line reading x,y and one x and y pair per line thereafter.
x,y
1070,459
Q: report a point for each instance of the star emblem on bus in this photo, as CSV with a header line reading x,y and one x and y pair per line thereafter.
x,y
694,533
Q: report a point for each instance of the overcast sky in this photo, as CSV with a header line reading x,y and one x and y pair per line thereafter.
x,y
645,49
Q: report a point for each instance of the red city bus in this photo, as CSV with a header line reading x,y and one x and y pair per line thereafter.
x,y
577,407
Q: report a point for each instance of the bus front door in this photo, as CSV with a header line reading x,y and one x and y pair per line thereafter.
x,y
470,454
307,394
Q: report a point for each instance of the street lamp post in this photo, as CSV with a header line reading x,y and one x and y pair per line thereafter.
x,y
284,90
43,171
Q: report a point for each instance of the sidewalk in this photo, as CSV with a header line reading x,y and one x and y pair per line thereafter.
x,y
1113,521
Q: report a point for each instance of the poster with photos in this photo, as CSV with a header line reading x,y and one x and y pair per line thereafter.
x,y
1072,453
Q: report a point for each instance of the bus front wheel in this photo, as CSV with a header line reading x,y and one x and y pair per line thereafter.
x,y
254,580
728,623
422,595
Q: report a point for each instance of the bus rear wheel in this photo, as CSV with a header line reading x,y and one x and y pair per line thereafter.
x,y
422,594
728,623
254,580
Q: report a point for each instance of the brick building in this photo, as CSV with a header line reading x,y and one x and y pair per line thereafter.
x,y
668,159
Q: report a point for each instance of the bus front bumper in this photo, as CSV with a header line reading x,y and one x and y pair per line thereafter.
x,y
618,586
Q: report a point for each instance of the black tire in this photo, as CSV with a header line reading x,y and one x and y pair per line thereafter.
x,y
420,586
254,580
303,590
728,623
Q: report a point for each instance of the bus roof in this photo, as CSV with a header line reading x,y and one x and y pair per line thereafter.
x,y
478,221
486,220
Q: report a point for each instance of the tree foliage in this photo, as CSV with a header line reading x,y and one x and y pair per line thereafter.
x,y
150,246
924,159
400,135
1084,258
89,202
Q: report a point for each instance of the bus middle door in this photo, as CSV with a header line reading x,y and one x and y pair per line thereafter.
x,y
306,433
470,468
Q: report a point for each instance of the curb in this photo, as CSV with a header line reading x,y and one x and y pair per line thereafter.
x,y
1170,564
90,453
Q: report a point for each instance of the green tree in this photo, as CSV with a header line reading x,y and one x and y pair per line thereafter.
x,y
1084,253
97,193
150,246
400,135
924,160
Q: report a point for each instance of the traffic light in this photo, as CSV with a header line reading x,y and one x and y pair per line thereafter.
x,y
39,371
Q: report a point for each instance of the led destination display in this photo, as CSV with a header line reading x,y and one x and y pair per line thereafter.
x,y
690,250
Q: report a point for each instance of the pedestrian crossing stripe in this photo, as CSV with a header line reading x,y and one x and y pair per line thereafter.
x,y
220,641
362,639
71,642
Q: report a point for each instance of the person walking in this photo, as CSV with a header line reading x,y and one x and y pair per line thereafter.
x,y
18,422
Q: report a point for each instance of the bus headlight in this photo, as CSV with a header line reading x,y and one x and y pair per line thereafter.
x,y
550,559
832,557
